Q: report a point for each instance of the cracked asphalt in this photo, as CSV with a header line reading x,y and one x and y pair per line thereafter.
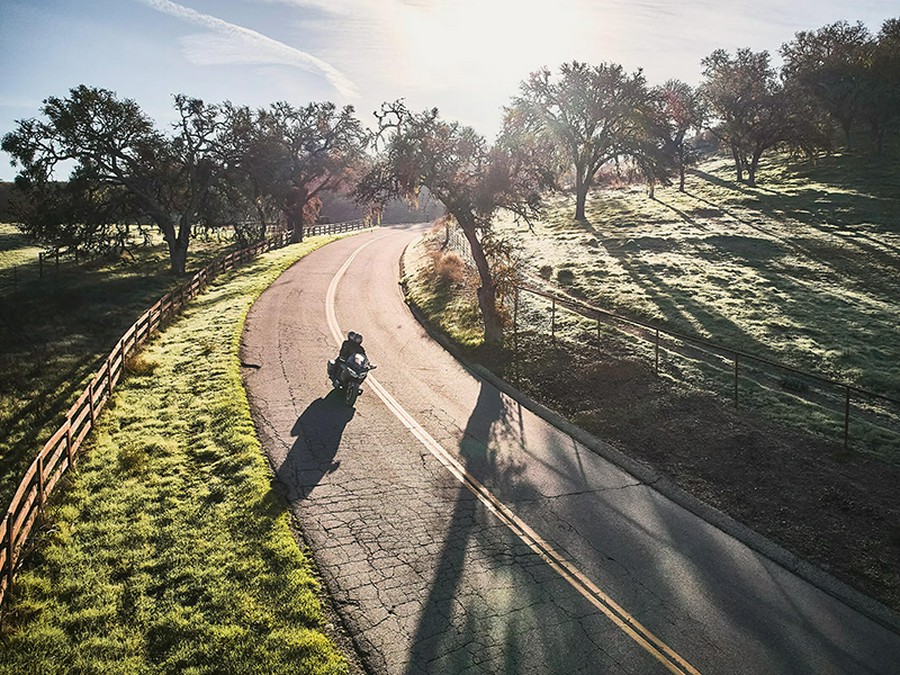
x,y
427,579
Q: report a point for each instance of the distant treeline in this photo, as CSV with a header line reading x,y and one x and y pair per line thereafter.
x,y
288,166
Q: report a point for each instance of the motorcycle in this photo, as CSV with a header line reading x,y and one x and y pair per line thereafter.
x,y
349,375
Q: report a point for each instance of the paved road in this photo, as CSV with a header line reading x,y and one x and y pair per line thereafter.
x,y
459,533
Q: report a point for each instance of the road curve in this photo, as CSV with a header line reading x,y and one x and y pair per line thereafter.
x,y
457,532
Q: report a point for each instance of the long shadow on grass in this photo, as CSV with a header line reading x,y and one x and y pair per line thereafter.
x,y
836,214
683,309
318,431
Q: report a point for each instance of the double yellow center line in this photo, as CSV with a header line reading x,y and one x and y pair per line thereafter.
x,y
588,589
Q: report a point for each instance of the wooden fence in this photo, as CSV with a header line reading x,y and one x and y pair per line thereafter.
x,y
675,342
60,452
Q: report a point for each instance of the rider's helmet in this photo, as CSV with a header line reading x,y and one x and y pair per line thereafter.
x,y
357,338
352,336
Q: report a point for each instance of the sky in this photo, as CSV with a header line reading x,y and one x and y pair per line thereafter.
x,y
465,57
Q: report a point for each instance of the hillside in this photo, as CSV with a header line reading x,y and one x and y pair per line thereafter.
x,y
802,269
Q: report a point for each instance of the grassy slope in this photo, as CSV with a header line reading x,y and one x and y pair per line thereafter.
x,y
804,269
645,259
170,552
54,331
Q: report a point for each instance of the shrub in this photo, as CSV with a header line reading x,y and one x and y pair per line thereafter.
x,y
139,365
449,267
565,276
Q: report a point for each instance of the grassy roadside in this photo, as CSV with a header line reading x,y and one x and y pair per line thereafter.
x,y
170,551
830,305
797,489
55,330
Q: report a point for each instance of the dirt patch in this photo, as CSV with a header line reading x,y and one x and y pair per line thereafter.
x,y
838,511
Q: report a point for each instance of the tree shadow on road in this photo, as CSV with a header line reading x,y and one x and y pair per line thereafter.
x,y
436,621
318,432
485,588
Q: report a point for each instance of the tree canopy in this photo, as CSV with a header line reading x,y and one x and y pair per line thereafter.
x,y
114,144
593,114
295,154
471,178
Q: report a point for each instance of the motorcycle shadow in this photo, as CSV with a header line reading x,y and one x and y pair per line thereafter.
x,y
318,432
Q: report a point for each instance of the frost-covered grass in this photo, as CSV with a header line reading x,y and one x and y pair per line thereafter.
x,y
803,269
170,551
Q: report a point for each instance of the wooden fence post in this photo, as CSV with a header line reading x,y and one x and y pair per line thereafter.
x,y
656,352
91,394
516,320
553,320
69,441
40,477
9,550
109,385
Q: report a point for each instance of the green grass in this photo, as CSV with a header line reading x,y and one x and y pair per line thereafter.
x,y
443,287
55,330
170,551
804,269
15,251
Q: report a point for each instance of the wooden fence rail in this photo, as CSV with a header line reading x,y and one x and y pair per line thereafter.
x,y
60,452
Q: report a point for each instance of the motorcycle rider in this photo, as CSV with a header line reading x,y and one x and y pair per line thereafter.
x,y
352,345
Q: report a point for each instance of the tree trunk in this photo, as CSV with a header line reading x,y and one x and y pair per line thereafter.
x,y
681,177
487,292
295,225
738,166
178,258
751,170
178,252
581,189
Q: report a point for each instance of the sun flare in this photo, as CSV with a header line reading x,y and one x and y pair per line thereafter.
x,y
499,41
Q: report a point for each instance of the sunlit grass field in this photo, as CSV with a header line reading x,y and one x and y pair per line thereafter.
x,y
170,551
804,269
55,329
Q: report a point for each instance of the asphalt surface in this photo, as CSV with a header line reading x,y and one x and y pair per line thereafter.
x,y
460,533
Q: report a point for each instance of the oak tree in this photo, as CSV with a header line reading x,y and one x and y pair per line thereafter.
x,y
593,114
470,177
114,144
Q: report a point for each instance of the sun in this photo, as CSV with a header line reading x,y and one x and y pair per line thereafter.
x,y
481,41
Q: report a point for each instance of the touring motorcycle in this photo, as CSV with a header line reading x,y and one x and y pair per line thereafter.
x,y
349,375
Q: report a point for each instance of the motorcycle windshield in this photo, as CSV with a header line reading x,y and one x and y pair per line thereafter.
x,y
358,362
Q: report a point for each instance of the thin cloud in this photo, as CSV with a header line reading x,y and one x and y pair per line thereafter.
x,y
233,44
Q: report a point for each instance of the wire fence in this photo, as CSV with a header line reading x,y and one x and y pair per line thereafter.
x,y
851,414
60,452
841,410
